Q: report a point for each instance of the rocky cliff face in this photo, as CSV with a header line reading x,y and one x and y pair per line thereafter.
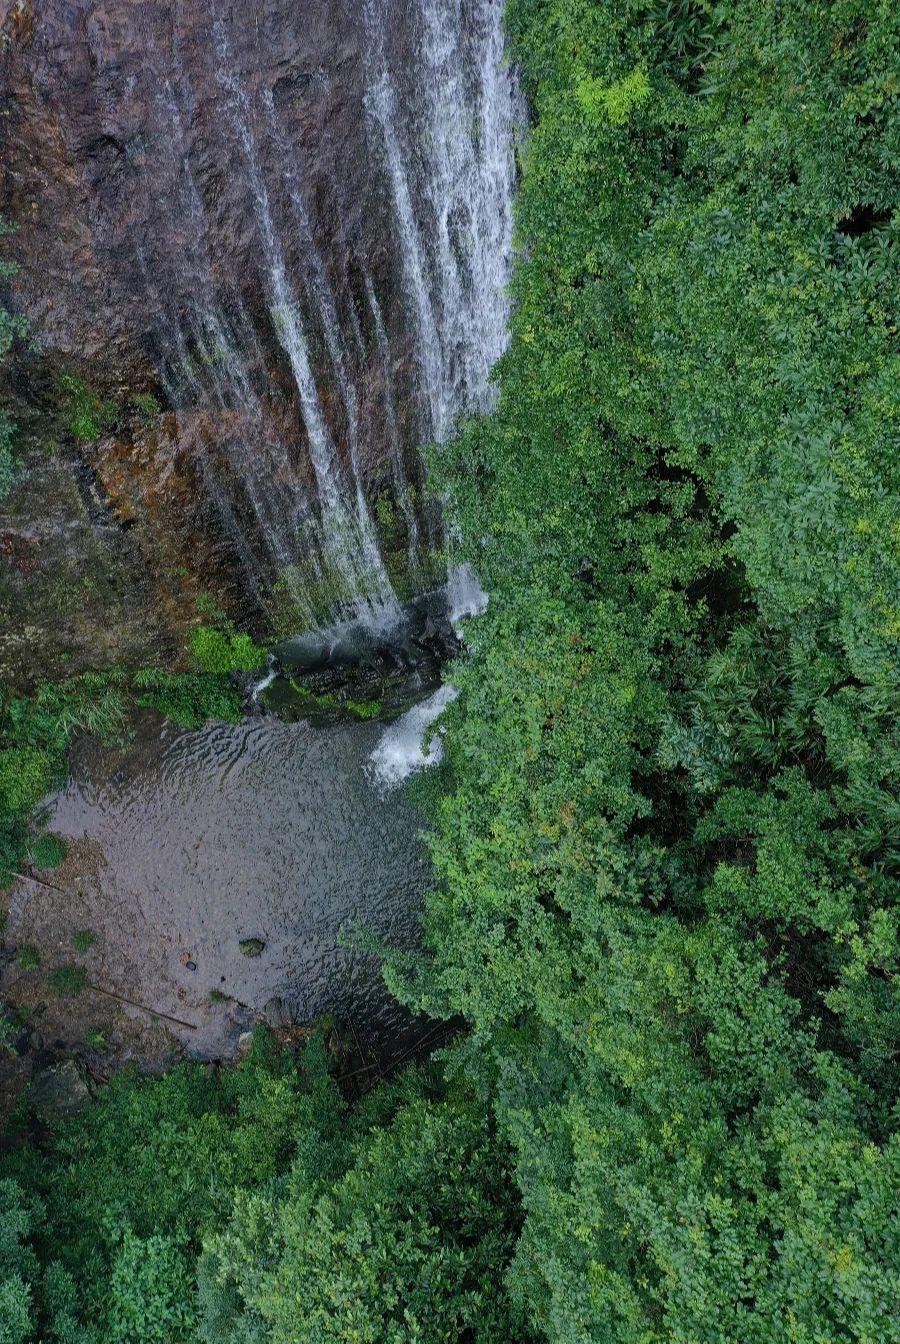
x,y
284,224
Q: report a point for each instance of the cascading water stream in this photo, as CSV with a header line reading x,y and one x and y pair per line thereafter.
x,y
207,355
381,100
349,544
460,198
400,478
381,604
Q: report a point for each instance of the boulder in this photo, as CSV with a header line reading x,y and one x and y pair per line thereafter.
x,y
59,1092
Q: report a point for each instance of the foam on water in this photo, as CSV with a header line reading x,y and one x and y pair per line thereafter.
x,y
401,750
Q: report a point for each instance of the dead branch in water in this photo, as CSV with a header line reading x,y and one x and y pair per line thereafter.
x,y
48,886
133,1003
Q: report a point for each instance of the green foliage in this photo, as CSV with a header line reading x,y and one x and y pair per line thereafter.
x,y
330,701
364,709
394,1229
146,405
19,1266
26,774
95,703
190,699
386,515
388,1221
29,958
88,414
67,981
150,1292
34,741
48,851
84,940
208,606
219,650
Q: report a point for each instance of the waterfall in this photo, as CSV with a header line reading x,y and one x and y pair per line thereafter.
x,y
462,118
311,334
373,587
458,127
381,101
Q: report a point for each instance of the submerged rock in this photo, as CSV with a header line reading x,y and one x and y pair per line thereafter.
x,y
276,1014
251,947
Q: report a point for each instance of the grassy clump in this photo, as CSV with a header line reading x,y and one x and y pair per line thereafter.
x,y
48,851
27,773
67,981
146,405
189,699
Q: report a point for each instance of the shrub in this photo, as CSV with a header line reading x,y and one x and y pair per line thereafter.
x,y
93,703
219,651
188,699
88,414
20,1216
151,1296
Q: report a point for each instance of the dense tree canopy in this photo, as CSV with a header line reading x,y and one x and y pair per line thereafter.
x,y
394,1220
669,852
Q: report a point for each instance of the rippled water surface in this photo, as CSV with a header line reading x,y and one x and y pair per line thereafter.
x,y
265,830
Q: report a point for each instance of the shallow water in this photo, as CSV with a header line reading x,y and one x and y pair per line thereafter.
x,y
265,830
